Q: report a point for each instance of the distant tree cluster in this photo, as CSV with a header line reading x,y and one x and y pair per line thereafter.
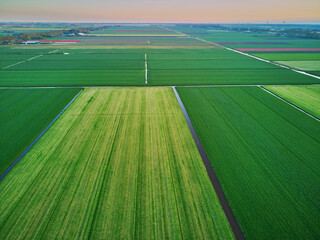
x,y
293,33
16,39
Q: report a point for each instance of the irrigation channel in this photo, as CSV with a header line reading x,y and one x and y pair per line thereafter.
x,y
213,177
37,138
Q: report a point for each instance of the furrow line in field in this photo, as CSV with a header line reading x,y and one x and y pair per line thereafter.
x,y
36,139
291,104
213,178
21,62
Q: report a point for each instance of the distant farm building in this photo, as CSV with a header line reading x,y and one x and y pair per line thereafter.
x,y
31,42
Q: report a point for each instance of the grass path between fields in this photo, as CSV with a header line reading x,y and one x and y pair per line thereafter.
x,y
120,163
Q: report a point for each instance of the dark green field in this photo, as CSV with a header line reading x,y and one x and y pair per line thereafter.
x,y
24,114
226,76
265,154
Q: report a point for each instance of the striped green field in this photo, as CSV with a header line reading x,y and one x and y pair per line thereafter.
x,y
227,76
24,114
80,64
305,97
120,163
266,156
71,78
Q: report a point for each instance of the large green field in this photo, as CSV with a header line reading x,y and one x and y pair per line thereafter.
x,y
24,114
227,76
290,56
71,78
120,163
302,65
266,156
305,97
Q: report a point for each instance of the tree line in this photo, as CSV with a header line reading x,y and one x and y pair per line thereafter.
x,y
16,39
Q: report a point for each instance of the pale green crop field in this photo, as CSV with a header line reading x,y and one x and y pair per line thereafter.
x,y
120,163
302,65
305,97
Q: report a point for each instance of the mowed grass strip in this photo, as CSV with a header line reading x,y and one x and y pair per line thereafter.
x,y
24,114
120,163
304,97
266,156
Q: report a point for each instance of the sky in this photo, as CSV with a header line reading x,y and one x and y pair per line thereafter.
x,y
161,11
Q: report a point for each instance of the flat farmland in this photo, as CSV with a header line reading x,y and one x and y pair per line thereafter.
x,y
305,97
302,65
190,64
227,76
49,78
80,64
290,56
24,114
117,157
265,154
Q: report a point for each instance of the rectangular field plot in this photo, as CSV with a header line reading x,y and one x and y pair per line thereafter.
x,y
209,64
227,76
80,64
71,78
120,163
289,56
266,156
24,114
305,97
302,65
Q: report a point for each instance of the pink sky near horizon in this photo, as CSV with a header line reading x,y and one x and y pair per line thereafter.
x,y
161,10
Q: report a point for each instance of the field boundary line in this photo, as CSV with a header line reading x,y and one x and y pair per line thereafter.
x,y
291,104
128,86
249,55
34,58
211,173
36,139
21,62
13,64
146,68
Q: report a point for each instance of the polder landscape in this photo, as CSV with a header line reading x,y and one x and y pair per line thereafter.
x,y
159,131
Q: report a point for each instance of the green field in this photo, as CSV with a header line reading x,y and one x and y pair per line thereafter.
x,y
227,76
71,77
265,154
305,97
80,64
24,114
248,63
290,56
120,163
302,65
